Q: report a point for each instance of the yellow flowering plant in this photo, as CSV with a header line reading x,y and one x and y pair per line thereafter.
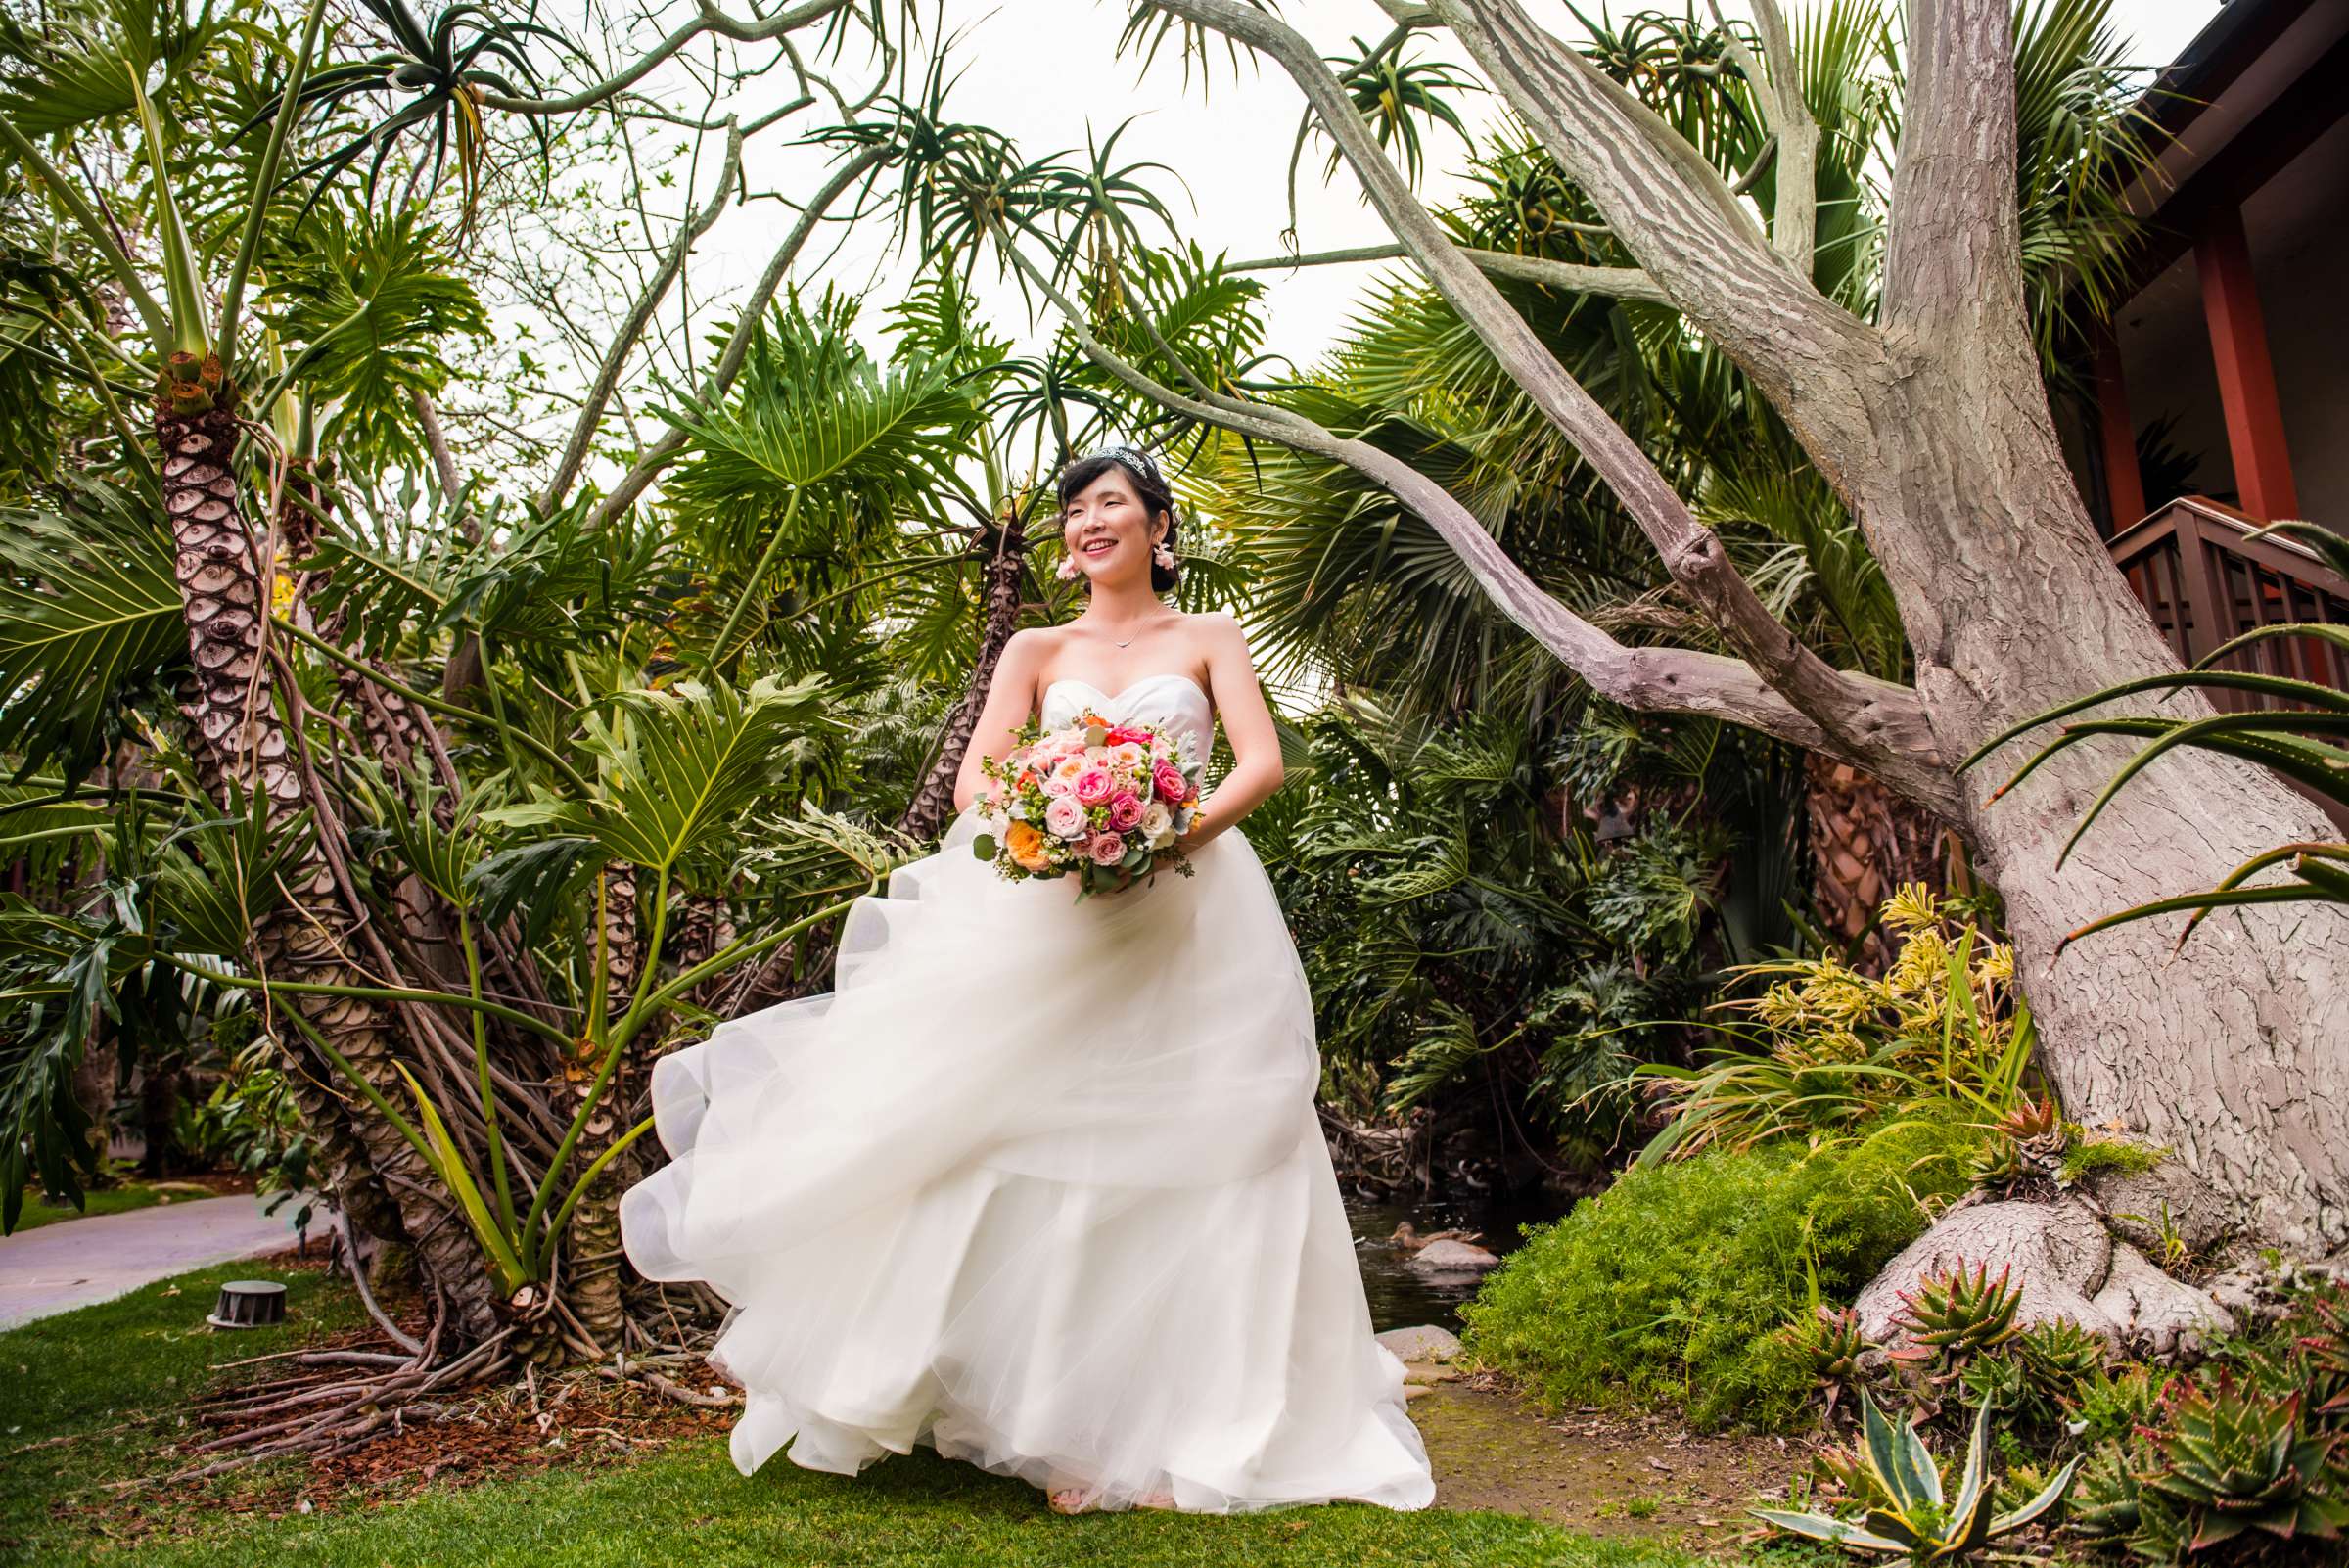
x,y
1825,1047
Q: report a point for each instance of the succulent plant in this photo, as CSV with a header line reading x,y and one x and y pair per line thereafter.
x,y
1913,1514
1836,1344
2000,1167
2109,1508
2026,1149
2233,1459
2061,1355
1959,1312
2324,1351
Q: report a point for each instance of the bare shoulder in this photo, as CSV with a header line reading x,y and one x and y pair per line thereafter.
x,y
1216,628
1032,645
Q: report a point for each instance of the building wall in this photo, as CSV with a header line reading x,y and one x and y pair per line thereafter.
x,y
2298,225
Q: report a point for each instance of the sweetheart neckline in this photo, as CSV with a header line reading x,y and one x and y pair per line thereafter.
x,y
1113,696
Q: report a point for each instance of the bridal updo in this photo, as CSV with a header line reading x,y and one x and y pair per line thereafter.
x,y
1148,484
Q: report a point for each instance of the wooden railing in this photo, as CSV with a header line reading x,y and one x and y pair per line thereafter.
x,y
2205,582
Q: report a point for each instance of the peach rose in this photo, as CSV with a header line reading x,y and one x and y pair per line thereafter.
x,y
1026,846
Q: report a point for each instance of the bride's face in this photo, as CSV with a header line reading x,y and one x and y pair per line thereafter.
x,y
1109,531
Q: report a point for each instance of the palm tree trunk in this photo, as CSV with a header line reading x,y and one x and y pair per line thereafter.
x,y
591,1242
1006,546
237,737
1866,841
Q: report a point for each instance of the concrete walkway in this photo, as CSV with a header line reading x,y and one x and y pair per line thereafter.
x,y
77,1261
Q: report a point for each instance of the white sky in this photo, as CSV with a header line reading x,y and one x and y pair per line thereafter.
x,y
1045,72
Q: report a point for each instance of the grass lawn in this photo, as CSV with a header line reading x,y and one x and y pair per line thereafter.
x,y
109,1380
106,1200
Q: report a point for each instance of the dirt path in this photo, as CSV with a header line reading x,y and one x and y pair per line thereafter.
x,y
1604,1474
77,1261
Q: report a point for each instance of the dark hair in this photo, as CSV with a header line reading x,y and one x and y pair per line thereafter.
x,y
1148,482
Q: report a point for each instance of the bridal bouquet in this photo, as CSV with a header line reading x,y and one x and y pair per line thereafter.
x,y
1098,801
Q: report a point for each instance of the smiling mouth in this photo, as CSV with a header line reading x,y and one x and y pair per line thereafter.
x,y
1098,548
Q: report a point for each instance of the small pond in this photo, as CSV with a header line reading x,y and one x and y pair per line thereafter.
x,y
1400,1296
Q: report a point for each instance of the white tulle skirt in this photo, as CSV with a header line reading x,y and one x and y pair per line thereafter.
x,y
1040,1184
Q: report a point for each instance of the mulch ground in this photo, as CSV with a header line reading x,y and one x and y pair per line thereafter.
x,y
509,1428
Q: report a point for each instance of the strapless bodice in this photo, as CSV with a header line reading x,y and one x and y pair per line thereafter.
x,y
1169,702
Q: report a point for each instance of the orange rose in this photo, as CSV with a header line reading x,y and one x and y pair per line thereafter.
x,y
1026,846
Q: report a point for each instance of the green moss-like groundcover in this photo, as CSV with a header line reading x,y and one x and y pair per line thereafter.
x,y
1666,1290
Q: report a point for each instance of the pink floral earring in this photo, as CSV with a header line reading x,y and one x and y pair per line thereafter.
x,y
1066,569
1164,556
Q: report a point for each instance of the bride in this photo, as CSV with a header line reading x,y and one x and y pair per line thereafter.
x,y
1040,1182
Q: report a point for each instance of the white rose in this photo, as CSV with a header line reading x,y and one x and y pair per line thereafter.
x,y
1064,816
1157,825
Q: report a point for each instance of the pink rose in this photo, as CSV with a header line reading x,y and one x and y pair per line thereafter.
x,y
1065,817
1106,848
1169,783
1055,784
1124,809
1094,786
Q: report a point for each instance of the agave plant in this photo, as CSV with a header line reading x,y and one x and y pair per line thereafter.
x,y
2324,1350
1913,1514
1835,1343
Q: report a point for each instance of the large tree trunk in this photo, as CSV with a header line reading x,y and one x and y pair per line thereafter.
x,y
237,735
2235,1052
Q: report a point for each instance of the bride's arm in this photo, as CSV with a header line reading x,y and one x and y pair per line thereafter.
x,y
1010,698
1255,770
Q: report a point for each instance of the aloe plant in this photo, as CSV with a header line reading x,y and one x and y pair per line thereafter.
x,y
2232,1459
1959,1312
1913,1514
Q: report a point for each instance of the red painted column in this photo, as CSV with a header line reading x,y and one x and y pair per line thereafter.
x,y
2238,342
2116,436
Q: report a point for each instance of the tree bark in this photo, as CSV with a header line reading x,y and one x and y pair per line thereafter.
x,y
1866,841
237,735
999,601
591,1241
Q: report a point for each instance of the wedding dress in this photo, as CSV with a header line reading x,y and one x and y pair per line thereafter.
x,y
1039,1183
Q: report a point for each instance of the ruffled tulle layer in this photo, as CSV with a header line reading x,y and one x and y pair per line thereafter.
x,y
1040,1184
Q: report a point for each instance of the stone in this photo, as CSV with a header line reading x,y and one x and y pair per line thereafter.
x,y
1424,1342
1452,1258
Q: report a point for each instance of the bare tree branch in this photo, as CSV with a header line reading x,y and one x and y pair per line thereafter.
x,y
631,330
1683,225
657,456
1621,283
1778,84
1691,553
1679,680
710,18
1954,253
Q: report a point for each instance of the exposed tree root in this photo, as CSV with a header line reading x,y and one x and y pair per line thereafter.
x,y
2069,1266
